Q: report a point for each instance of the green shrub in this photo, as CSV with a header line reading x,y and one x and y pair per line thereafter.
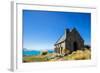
x,y
44,53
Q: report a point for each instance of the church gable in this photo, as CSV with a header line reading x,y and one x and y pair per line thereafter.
x,y
71,40
75,34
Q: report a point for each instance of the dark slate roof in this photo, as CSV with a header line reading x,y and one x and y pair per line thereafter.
x,y
62,38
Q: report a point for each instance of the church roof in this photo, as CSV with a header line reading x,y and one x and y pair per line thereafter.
x,y
63,37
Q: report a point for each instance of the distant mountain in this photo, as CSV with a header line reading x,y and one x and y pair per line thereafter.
x,y
25,49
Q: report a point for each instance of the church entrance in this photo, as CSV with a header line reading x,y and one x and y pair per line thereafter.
x,y
75,46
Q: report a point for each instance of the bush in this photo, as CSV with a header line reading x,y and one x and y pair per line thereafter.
x,y
87,46
66,51
44,53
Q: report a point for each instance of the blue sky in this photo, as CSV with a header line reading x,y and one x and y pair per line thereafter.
x,y
41,29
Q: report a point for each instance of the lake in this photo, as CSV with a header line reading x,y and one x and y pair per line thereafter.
x,y
34,52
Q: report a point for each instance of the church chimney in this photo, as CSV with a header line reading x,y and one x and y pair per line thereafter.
x,y
67,31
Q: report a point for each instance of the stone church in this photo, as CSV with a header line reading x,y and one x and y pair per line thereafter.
x,y
71,40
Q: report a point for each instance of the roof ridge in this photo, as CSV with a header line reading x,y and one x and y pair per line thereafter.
x,y
62,37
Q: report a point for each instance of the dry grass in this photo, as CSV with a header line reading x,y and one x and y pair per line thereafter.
x,y
79,55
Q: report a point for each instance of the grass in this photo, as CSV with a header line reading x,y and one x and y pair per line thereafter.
x,y
79,55
34,58
39,58
75,55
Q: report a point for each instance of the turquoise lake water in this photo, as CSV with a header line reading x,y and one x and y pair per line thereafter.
x,y
34,52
